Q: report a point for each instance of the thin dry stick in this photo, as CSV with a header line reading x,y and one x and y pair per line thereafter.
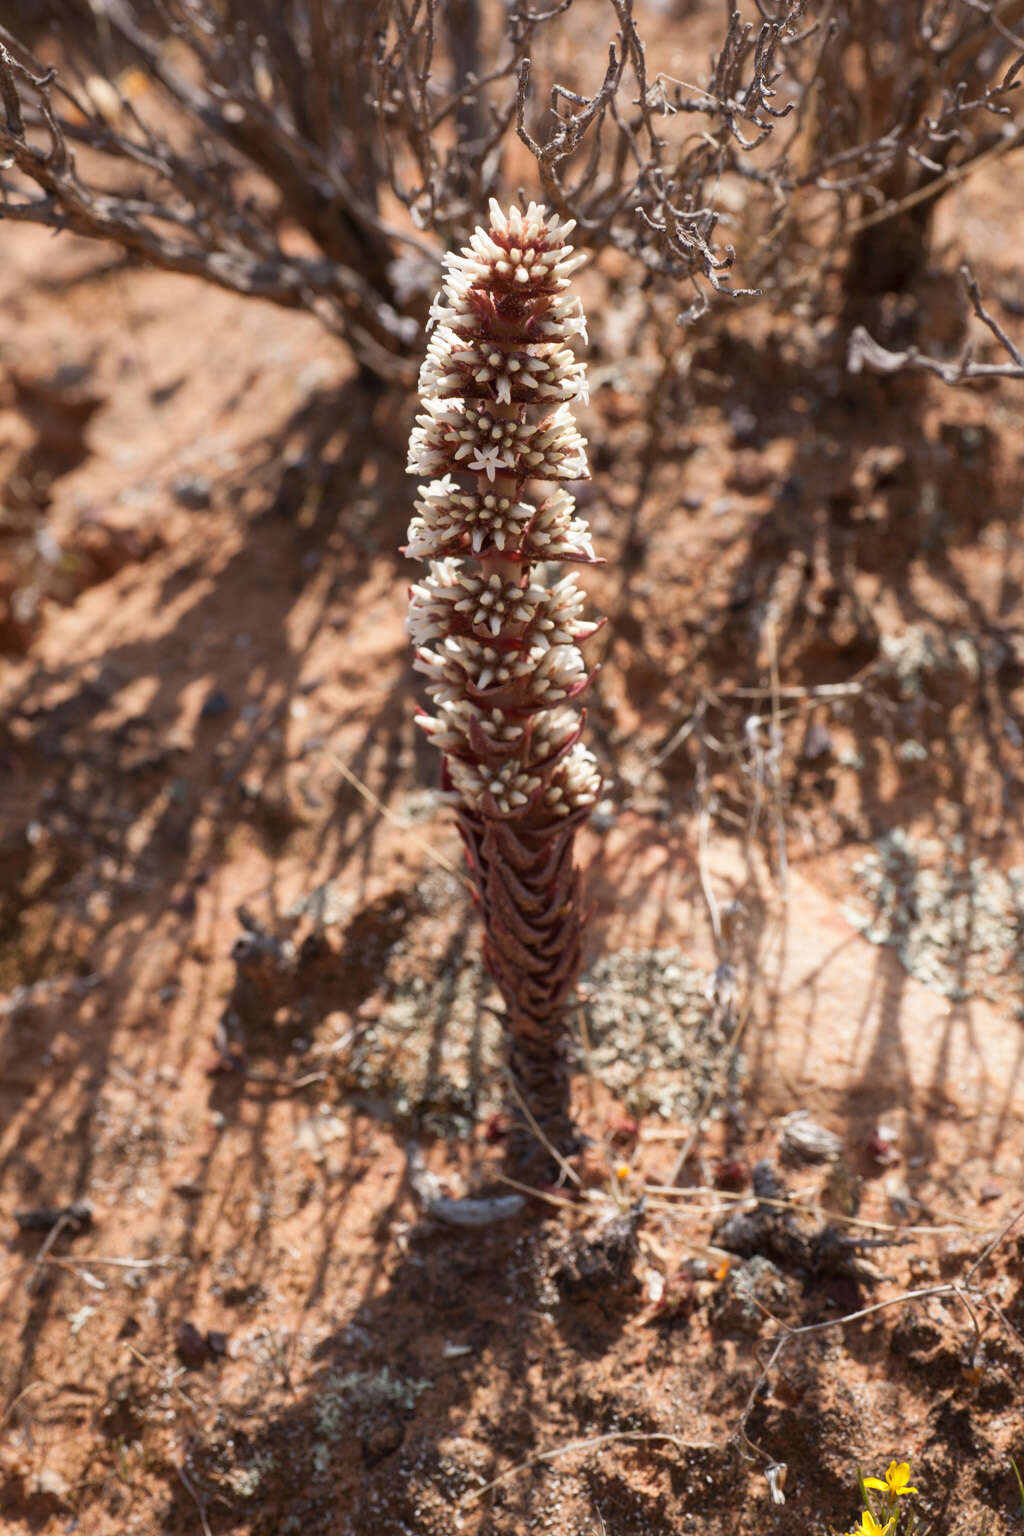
x,y
678,737
175,1382
566,1167
987,319
820,691
396,821
774,756
87,1260
199,1503
59,1226
32,1387
672,1195
991,1247
702,847
789,1334
995,1308
537,1194
635,1437
588,1060
737,1036
949,178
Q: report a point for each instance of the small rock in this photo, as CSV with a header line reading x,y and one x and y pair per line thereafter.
x,y
743,422
215,704
817,742
804,1141
880,1146
381,1439
600,1262
734,1306
43,1218
191,1348
604,815
193,492
731,1174
750,473
50,1482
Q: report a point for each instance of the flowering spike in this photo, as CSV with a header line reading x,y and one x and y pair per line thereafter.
x,y
498,644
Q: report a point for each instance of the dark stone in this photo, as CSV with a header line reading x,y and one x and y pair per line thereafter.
x,y
190,1346
193,492
43,1218
594,1264
215,704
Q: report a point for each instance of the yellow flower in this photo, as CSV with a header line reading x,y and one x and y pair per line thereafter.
x,y
897,1480
869,1526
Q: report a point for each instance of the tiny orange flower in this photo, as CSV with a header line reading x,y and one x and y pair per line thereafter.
x,y
897,1480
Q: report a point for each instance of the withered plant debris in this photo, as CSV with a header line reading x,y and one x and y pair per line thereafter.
x,y
772,1231
469,1211
599,1263
43,1218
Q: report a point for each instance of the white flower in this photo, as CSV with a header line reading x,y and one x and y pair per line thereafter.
x,y
487,461
498,649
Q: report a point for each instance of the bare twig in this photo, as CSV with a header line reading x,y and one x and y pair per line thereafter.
x,y
960,1290
625,1436
86,1261
200,1504
865,352
389,815
332,111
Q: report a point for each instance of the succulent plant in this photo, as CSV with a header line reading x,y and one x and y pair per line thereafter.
x,y
497,631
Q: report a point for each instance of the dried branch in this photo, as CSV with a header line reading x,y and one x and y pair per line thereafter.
x,y
199,135
865,352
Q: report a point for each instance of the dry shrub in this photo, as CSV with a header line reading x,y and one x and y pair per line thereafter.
x,y
312,152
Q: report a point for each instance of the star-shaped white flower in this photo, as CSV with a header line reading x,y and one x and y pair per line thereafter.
x,y
487,461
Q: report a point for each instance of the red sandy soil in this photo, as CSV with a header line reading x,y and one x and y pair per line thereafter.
x,y
261,1330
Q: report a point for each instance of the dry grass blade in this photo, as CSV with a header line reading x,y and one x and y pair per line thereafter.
x,y
634,1437
396,821
564,1166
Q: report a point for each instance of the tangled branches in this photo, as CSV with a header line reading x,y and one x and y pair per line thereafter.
x,y
313,152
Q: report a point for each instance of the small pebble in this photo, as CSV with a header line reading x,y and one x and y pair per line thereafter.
x,y
215,704
743,423
193,492
804,1141
190,1346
